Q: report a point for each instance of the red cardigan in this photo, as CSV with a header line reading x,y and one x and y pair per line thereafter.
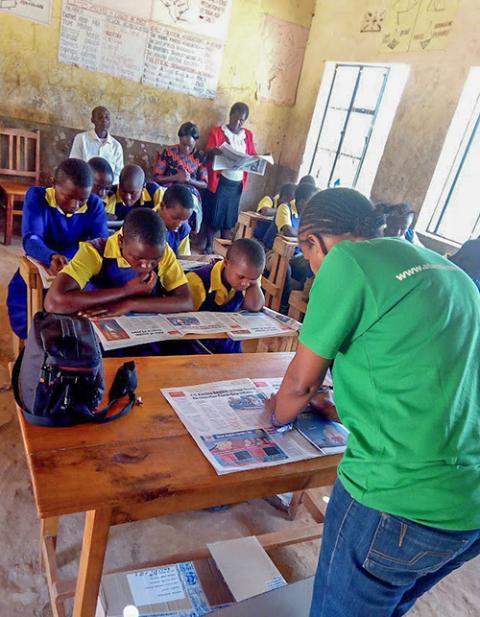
x,y
216,138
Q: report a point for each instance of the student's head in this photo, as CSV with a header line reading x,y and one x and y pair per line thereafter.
x,y
334,215
102,176
244,263
176,207
142,239
287,193
101,120
72,181
307,180
398,218
238,116
188,134
303,194
131,183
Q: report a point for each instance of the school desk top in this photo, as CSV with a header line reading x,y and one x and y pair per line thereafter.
x,y
146,463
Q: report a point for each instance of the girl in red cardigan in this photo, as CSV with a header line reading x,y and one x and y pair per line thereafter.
x,y
225,187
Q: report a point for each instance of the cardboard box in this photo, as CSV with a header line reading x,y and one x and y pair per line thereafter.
x,y
187,589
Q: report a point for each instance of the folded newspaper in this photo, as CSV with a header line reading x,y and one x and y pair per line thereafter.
x,y
228,422
128,330
236,160
47,278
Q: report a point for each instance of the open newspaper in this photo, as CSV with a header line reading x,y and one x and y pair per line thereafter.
x,y
230,426
47,278
236,160
129,330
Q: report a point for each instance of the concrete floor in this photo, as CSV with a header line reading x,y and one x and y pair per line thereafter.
x,y
24,587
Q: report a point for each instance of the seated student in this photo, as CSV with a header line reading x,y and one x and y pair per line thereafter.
x,y
132,271
132,191
399,221
468,259
102,177
54,221
286,195
175,209
230,285
268,205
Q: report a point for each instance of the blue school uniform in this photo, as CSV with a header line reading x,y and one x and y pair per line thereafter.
x,y
179,241
47,231
287,214
210,293
151,197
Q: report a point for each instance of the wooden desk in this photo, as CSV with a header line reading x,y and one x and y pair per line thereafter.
x,y
145,465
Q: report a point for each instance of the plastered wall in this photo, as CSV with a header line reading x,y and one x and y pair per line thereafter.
x,y
35,88
428,103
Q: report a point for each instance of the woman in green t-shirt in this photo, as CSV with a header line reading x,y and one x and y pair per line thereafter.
x,y
403,326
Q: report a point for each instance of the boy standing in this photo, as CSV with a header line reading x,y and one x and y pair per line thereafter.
x,y
99,142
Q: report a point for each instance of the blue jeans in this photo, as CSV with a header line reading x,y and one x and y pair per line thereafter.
x,y
374,564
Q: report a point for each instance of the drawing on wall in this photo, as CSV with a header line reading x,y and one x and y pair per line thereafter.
x,y
418,25
280,60
173,54
373,21
35,10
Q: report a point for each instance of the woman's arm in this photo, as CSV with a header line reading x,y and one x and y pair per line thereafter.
x,y
304,376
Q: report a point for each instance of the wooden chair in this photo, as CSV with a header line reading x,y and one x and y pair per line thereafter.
x,y
297,305
35,288
247,221
273,285
20,162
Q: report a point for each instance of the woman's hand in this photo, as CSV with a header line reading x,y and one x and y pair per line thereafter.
x,y
324,404
57,262
269,404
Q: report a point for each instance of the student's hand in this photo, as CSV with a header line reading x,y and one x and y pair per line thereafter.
x,y
56,264
324,404
141,285
112,310
183,176
269,404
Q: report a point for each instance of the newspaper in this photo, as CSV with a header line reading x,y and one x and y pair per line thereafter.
x,y
234,159
228,422
47,278
129,330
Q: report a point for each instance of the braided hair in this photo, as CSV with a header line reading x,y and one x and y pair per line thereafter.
x,y
339,211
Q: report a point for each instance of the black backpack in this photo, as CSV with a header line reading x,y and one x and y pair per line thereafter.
x,y
58,378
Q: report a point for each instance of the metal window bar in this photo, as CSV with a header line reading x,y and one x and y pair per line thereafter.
x,y
454,183
349,111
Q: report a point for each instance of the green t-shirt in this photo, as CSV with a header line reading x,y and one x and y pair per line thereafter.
x,y
403,325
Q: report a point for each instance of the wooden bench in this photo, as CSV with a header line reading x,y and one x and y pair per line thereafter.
x,y
273,285
247,222
297,305
22,168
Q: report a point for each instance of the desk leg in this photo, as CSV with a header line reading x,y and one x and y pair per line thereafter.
x,y
95,536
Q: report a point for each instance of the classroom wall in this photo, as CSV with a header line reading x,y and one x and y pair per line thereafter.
x,y
37,89
428,102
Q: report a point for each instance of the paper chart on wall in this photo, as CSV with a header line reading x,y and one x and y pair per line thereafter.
x,y
281,59
418,25
184,53
35,10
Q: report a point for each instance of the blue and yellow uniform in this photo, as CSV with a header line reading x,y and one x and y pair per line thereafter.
x,y
179,241
211,293
100,262
47,231
271,202
286,215
151,197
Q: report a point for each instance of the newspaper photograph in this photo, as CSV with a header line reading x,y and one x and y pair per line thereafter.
x,y
236,160
228,422
129,330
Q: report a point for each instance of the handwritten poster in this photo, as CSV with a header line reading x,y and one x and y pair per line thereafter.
x,y
178,60
175,55
418,25
35,10
280,61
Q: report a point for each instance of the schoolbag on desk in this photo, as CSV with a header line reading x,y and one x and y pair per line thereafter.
x,y
58,378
